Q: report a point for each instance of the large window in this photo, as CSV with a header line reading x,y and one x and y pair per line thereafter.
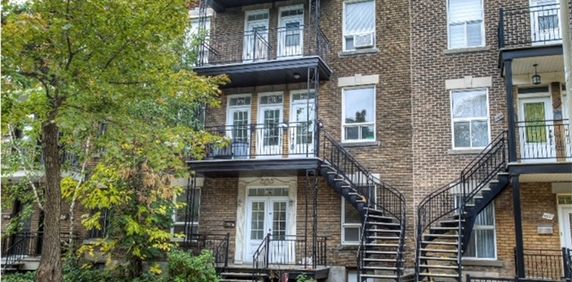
x,y
196,41
187,210
466,26
351,224
359,24
470,119
358,106
482,244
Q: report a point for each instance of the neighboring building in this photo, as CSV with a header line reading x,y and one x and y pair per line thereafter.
x,y
387,140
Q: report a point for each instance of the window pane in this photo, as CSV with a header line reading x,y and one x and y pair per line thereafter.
x,y
465,10
486,243
548,22
352,133
462,134
474,36
479,133
359,105
471,250
457,35
279,220
351,234
351,214
359,17
485,217
350,43
367,132
257,221
468,104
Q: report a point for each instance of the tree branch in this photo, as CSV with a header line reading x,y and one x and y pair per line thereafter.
x,y
28,173
75,192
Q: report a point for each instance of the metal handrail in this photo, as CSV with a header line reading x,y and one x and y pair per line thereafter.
x,y
517,28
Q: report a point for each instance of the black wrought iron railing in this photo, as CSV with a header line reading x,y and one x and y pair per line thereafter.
x,y
218,244
288,250
567,258
451,199
548,140
377,194
263,45
529,26
263,140
544,264
18,246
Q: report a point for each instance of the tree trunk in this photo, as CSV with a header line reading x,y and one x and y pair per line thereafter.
x,y
50,269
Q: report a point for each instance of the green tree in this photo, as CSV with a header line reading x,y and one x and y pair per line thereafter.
x,y
70,66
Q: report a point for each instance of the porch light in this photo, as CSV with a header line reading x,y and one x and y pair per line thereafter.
x,y
297,75
536,77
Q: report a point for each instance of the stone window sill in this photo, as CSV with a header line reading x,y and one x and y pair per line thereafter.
x,y
488,263
348,247
466,50
358,52
464,151
361,144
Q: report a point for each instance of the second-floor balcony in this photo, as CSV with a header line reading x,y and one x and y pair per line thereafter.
x,y
265,56
543,141
532,26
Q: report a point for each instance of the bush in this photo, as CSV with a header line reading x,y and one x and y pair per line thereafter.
x,y
184,267
19,277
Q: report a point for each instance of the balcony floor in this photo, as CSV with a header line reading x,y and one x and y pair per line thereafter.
x,y
268,72
274,164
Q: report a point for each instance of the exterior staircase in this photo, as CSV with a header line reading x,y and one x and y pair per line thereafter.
x,y
446,217
382,208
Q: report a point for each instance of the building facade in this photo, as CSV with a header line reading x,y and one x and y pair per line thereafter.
x,y
369,140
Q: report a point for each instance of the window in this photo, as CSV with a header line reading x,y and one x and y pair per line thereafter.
x,y
359,24
483,238
351,224
470,119
466,28
192,207
358,106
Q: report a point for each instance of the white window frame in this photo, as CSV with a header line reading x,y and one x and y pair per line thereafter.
x,y
350,225
189,33
486,227
453,120
344,34
449,23
182,223
343,135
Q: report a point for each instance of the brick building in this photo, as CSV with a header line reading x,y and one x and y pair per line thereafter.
x,y
383,140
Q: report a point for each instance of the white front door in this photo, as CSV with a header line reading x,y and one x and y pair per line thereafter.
x,y
256,36
545,22
238,125
268,215
269,130
565,215
536,129
291,31
301,132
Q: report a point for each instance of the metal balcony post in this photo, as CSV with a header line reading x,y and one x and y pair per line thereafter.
x,y
501,28
510,111
254,41
519,255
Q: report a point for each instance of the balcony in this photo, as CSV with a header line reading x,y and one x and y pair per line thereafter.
x,y
221,5
270,146
534,26
269,56
543,141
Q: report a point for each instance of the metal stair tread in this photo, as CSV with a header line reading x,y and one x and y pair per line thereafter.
x,y
431,274
382,259
439,266
438,250
440,243
391,268
378,276
438,258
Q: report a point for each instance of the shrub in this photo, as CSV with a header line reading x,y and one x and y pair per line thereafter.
x,y
184,267
19,277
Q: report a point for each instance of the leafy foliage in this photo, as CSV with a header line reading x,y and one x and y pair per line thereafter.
x,y
185,267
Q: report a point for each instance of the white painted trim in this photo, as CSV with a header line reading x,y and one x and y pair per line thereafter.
x,y
560,209
195,12
358,79
344,49
241,107
452,120
483,34
469,82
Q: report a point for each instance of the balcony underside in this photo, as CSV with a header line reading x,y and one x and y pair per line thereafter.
x,y
232,166
268,72
537,171
522,56
220,5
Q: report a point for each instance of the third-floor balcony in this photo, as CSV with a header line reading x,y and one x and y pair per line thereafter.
x,y
533,26
266,56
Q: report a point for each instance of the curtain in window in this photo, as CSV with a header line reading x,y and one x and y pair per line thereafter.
x,y
359,17
464,10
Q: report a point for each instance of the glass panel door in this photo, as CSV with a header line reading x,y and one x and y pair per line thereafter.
x,y
256,226
291,32
566,225
256,36
270,128
302,128
535,132
545,22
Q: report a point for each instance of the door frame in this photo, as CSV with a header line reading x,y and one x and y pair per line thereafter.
x,y
561,219
548,115
245,30
260,124
290,214
229,121
312,101
279,43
